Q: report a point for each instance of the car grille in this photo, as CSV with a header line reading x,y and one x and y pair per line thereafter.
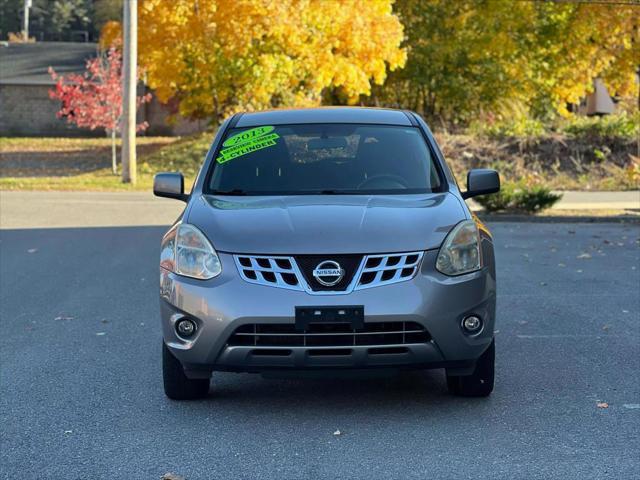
x,y
329,335
386,269
296,273
268,270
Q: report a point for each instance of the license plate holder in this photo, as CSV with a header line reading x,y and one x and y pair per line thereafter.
x,y
353,314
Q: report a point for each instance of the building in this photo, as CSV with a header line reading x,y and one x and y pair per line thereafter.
x,y
25,106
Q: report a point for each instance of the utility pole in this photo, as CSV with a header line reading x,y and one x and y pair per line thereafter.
x,y
25,21
130,82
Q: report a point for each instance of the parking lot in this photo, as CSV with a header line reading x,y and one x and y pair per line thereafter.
x,y
81,392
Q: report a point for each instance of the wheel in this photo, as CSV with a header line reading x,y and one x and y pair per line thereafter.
x,y
176,384
480,382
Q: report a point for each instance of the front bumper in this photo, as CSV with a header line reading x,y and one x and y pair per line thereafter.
x,y
221,305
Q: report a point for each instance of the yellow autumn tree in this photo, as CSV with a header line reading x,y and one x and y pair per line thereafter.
x,y
465,56
473,57
214,57
578,42
110,35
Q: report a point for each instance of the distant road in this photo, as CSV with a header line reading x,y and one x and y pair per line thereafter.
x,y
85,209
93,209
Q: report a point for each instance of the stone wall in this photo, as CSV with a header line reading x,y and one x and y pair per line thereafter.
x,y
27,110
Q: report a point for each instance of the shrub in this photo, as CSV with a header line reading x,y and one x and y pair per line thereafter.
x,y
610,126
519,197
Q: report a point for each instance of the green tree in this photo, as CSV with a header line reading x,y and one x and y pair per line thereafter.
x,y
578,42
106,11
463,56
53,19
58,18
10,15
493,58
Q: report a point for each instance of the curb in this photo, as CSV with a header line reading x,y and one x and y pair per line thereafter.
x,y
630,219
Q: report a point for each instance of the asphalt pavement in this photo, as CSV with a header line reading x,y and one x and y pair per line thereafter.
x,y
81,392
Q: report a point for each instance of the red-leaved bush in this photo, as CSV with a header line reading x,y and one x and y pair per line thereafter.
x,y
94,99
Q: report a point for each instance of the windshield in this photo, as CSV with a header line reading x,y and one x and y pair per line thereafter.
x,y
323,159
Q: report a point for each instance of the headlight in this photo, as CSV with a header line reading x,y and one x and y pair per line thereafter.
x,y
186,251
460,251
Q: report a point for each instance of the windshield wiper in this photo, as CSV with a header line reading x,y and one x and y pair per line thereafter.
x,y
235,191
339,192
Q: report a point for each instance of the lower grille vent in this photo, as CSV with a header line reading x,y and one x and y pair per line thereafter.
x,y
329,335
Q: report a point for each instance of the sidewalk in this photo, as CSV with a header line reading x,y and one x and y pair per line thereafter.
x,y
627,200
598,200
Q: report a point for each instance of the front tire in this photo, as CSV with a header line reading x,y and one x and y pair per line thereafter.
x,y
480,382
176,384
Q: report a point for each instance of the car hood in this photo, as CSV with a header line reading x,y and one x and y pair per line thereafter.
x,y
318,224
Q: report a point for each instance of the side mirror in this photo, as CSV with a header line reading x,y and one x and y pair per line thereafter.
x,y
169,185
481,181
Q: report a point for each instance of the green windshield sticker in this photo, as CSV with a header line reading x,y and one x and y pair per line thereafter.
x,y
247,142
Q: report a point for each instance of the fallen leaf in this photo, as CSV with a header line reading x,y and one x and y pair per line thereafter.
x,y
171,476
337,433
602,405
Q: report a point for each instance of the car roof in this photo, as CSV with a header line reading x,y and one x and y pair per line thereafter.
x,y
378,116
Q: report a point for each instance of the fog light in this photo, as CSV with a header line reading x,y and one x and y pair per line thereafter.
x,y
472,324
185,327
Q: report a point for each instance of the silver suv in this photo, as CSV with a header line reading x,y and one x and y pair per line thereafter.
x,y
330,238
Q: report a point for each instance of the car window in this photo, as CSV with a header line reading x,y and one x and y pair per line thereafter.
x,y
324,158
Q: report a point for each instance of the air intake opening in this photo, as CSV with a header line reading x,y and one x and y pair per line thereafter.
x,y
263,262
267,352
329,352
387,351
329,335
387,275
